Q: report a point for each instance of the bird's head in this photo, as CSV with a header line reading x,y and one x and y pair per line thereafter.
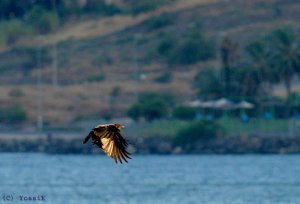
x,y
119,126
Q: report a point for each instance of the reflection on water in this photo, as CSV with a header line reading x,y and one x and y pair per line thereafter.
x,y
152,179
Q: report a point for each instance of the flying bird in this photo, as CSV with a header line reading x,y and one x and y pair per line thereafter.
x,y
109,139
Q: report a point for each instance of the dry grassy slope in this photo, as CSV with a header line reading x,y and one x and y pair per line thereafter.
x,y
110,25
106,47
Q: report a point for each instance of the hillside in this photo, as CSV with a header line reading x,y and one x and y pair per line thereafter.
x,y
97,56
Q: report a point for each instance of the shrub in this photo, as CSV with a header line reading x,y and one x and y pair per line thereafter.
x,y
9,8
137,7
195,47
196,132
184,113
13,30
155,109
192,50
149,96
16,93
135,111
13,114
207,82
100,7
43,21
164,78
151,106
166,45
24,59
116,91
161,21
95,78
188,53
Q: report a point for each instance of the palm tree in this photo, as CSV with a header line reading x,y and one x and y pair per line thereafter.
x,y
260,56
208,84
285,47
228,51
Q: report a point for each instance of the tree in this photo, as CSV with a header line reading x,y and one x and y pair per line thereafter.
x,y
13,114
151,106
228,51
43,21
155,109
276,58
197,132
135,111
285,46
260,56
184,113
113,96
195,48
208,84
259,72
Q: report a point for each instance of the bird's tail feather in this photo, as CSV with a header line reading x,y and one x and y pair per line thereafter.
x,y
86,139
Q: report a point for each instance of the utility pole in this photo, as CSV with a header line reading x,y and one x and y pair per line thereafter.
x,y
54,54
39,88
136,64
54,67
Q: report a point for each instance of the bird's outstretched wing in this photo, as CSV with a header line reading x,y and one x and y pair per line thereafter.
x,y
109,139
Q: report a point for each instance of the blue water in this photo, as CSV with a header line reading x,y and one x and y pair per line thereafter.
x,y
210,179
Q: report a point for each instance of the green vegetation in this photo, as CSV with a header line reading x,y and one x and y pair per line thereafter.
x,y
137,7
41,20
151,106
13,30
135,111
167,43
25,59
64,8
199,131
163,128
20,19
12,115
275,58
158,22
100,7
95,78
231,126
16,93
285,54
164,78
208,84
235,126
38,11
271,60
248,70
184,113
195,47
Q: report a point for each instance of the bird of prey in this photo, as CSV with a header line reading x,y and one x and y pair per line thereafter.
x,y
109,139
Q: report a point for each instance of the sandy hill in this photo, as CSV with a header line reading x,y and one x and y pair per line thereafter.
x,y
96,57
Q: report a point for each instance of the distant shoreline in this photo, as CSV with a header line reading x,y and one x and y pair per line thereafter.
x,y
235,144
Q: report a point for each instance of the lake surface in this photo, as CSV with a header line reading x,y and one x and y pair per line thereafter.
x,y
209,179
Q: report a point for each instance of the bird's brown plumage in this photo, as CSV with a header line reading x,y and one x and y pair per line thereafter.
x,y
109,139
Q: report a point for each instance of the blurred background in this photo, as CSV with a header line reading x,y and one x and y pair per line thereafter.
x,y
183,76
222,74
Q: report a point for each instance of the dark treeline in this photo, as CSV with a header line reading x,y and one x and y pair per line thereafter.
x,y
66,9
63,8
